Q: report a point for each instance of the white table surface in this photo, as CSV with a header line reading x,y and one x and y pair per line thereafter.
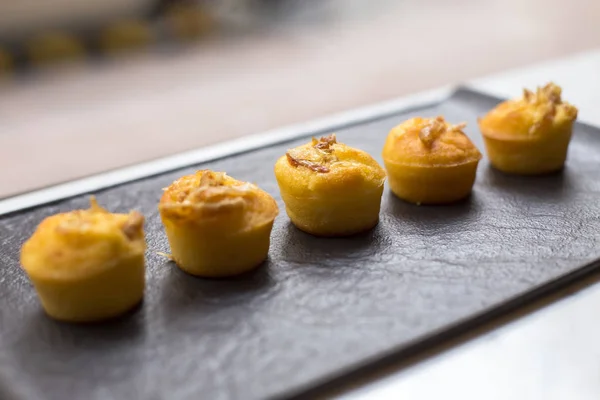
x,y
550,354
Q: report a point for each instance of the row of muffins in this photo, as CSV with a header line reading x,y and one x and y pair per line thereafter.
x,y
179,21
88,265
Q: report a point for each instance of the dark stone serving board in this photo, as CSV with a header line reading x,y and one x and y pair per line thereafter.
x,y
319,308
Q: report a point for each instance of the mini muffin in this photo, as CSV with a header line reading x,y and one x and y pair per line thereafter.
x,y
188,21
54,47
530,135
430,161
6,62
217,226
126,35
87,265
330,189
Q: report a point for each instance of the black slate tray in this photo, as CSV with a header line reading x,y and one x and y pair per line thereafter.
x,y
319,309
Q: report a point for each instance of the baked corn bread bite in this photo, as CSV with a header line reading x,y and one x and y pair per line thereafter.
x,y
6,62
329,188
217,226
430,161
530,135
87,265
54,47
188,21
126,35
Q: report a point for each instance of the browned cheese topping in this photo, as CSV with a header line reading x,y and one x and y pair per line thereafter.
x,y
320,156
547,101
435,128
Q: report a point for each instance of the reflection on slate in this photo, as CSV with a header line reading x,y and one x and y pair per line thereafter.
x,y
318,306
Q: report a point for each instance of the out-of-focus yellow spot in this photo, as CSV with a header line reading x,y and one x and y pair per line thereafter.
x,y
188,21
6,62
53,47
126,35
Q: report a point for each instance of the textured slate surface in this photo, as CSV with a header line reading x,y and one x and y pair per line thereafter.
x,y
318,305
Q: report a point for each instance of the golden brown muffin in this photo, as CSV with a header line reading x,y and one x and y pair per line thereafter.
x,y
87,265
217,226
53,47
329,188
126,35
430,161
6,62
530,135
187,21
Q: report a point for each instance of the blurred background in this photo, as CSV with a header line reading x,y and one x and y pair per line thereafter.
x,y
88,86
